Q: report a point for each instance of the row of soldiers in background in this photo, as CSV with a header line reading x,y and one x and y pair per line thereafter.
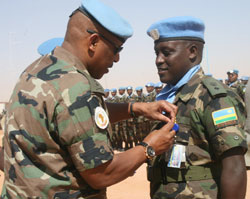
x,y
236,83
128,133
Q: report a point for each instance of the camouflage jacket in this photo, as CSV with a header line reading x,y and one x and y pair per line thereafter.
x,y
56,128
239,88
206,131
150,97
122,99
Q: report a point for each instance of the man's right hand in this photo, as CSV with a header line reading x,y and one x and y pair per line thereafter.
x,y
161,140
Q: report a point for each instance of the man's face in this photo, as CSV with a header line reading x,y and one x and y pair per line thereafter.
x,y
129,91
232,77
121,92
103,57
172,60
149,89
139,92
113,93
158,89
106,94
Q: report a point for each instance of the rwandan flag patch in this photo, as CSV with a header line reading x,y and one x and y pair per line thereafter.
x,y
224,117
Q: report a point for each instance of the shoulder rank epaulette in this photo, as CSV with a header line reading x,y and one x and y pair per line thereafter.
x,y
214,87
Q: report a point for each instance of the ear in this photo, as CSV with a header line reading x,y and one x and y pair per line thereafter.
x,y
93,41
193,52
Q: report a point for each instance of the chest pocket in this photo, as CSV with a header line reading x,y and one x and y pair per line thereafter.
x,y
183,135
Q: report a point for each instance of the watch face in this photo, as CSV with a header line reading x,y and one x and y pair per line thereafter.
x,y
150,151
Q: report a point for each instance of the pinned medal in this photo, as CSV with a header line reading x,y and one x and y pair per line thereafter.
x,y
101,118
175,127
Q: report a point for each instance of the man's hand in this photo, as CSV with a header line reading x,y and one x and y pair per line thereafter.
x,y
161,140
154,110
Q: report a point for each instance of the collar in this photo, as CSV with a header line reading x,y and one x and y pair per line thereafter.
x,y
168,92
190,87
73,61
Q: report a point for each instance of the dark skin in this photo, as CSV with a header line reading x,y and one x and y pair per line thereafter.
x,y
97,55
232,77
174,59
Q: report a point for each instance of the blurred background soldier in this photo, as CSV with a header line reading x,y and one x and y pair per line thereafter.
x,y
106,95
158,87
131,130
122,125
150,97
139,121
115,127
235,83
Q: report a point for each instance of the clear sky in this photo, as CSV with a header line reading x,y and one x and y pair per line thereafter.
x,y
26,24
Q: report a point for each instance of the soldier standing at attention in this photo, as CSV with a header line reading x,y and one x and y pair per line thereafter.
x,y
234,82
122,125
106,95
207,159
57,134
139,121
158,87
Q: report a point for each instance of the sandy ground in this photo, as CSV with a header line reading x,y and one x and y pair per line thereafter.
x,y
135,187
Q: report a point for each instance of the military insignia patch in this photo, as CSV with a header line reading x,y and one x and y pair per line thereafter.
x,y
224,117
154,34
101,118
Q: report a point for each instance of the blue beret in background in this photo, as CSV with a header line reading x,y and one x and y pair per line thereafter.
x,y
113,90
177,28
122,88
149,84
138,88
106,90
233,71
158,85
108,18
49,45
244,78
129,87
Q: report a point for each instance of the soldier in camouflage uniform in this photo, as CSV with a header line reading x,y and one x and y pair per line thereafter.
x,y
122,124
158,87
131,130
139,121
57,135
150,97
235,84
106,95
207,159
115,126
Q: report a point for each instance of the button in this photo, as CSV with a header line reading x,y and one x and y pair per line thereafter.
x,y
222,142
236,137
102,151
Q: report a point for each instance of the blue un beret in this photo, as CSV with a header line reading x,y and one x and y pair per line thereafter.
x,y
233,71
107,17
150,84
138,88
158,85
49,45
244,78
106,90
113,90
177,28
129,87
122,88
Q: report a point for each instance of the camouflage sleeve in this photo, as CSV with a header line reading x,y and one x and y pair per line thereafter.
x,y
87,143
224,121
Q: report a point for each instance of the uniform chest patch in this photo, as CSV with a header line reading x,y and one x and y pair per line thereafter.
x,y
101,118
224,117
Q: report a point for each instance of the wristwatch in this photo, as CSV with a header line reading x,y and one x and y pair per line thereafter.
x,y
149,151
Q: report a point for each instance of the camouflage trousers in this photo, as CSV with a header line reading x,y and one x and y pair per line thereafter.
x,y
202,189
